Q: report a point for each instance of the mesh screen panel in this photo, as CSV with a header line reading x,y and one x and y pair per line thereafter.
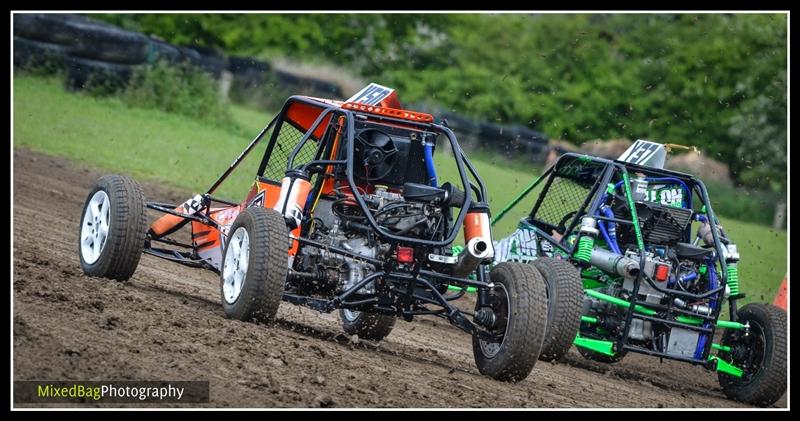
x,y
563,197
288,138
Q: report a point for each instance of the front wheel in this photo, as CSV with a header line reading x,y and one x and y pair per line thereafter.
x,y
254,265
519,303
760,353
112,229
369,326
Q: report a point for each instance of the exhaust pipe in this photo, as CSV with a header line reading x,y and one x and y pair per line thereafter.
x,y
476,251
615,263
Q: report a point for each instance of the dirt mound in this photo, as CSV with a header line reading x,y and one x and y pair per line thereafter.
x,y
167,324
701,166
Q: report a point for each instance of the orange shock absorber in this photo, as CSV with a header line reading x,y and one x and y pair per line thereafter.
x,y
477,226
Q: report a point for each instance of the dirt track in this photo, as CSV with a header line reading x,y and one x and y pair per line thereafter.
x,y
167,324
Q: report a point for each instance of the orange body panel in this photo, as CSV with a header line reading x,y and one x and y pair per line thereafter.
x,y
304,115
204,236
271,194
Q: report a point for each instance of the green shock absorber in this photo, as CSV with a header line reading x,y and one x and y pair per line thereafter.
x,y
588,232
732,262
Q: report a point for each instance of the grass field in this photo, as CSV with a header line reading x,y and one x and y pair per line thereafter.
x,y
185,153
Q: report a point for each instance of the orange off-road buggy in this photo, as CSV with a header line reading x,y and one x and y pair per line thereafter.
x,y
346,212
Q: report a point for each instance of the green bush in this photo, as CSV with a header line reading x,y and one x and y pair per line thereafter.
x,y
177,89
41,66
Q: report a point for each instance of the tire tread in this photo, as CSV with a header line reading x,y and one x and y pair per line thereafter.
x,y
565,320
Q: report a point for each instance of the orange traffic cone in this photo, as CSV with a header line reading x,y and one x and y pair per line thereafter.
x,y
780,297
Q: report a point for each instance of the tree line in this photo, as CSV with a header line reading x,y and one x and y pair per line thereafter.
x,y
716,81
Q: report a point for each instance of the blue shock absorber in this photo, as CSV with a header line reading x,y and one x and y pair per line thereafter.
x,y
428,147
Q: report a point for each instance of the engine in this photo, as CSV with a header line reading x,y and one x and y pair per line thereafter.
x,y
340,223
672,267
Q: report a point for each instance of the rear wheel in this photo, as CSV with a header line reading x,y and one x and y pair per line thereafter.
x,y
369,326
112,229
761,354
564,306
519,303
254,265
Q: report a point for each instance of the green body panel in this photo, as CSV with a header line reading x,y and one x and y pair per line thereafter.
x,y
603,347
589,283
588,319
726,367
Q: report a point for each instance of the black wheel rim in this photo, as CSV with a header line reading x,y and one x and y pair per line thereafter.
x,y
500,303
748,351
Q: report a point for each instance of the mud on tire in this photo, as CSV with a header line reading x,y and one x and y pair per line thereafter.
x,y
521,289
369,326
763,356
261,279
564,306
124,218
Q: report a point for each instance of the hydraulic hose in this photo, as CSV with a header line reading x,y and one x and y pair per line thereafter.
x,y
428,148
611,244
609,234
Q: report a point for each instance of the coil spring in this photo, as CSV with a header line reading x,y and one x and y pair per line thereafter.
x,y
585,246
733,278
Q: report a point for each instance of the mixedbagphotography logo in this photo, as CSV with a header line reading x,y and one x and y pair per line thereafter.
x,y
111,392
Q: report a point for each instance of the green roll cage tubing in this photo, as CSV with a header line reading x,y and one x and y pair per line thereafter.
x,y
608,347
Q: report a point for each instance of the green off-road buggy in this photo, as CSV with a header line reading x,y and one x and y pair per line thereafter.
x,y
652,267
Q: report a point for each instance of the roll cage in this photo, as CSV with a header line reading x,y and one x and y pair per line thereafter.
x,y
598,173
314,125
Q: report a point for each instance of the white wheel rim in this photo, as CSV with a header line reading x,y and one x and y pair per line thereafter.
x,y
350,315
95,227
234,268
